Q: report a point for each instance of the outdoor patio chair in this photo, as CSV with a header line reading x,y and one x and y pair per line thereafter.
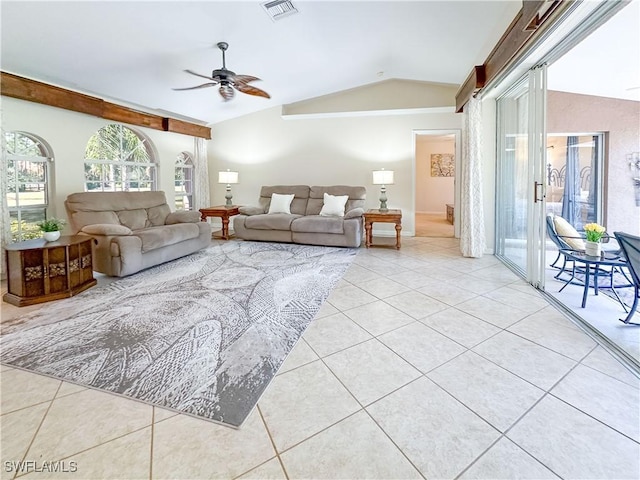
x,y
566,237
630,246
570,239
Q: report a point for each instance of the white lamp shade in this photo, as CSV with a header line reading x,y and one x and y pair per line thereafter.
x,y
383,177
227,177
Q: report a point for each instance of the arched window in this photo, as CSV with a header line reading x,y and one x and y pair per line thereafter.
x,y
119,159
184,182
27,183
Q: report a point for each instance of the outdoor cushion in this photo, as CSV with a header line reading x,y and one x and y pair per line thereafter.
x,y
569,234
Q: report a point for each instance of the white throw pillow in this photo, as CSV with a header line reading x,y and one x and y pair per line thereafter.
x,y
334,205
280,203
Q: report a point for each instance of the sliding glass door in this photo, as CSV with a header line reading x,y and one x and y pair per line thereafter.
x,y
521,176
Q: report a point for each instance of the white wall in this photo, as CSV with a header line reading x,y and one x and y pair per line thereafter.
x,y
268,150
432,193
67,134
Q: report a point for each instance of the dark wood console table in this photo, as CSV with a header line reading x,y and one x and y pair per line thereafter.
x,y
39,271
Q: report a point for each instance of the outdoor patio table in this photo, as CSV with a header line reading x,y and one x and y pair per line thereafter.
x,y
594,265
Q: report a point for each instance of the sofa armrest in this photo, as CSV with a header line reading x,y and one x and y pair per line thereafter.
x,y
108,229
182,216
354,212
251,210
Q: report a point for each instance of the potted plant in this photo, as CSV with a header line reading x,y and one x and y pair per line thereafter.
x,y
51,228
594,234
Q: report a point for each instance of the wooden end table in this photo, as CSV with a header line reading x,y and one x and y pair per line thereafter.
x,y
389,216
223,212
39,271
450,210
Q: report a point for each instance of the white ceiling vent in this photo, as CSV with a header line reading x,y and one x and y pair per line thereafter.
x,y
278,9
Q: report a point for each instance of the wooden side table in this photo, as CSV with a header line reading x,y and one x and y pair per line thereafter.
x,y
39,271
223,212
450,213
375,215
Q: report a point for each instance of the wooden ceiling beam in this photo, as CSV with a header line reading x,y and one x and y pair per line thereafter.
x,y
534,17
474,82
34,91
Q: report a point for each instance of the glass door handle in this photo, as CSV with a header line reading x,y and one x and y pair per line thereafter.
x,y
535,192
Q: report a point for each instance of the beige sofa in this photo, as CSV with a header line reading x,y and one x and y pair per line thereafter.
x,y
134,230
304,224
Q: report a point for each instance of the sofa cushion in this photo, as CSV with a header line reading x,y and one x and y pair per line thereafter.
x,y
248,210
106,229
274,221
157,237
299,203
357,197
158,215
134,219
318,224
182,216
81,218
280,203
354,213
333,205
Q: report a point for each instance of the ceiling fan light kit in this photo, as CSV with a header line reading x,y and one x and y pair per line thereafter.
x,y
227,80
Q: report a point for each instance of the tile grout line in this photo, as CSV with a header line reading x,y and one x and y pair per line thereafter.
x,y
579,409
273,444
153,423
364,408
519,419
35,434
607,374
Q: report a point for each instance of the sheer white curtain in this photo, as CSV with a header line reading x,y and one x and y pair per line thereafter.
x,y
5,233
201,174
472,235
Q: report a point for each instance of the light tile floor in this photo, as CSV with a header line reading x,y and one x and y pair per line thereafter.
x,y
601,312
421,364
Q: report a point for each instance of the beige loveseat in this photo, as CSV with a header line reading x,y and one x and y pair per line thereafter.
x,y
134,230
304,224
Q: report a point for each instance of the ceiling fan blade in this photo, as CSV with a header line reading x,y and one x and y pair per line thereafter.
x,y
250,90
204,85
244,79
226,91
199,75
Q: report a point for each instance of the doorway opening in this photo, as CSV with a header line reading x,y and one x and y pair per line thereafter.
x,y
436,166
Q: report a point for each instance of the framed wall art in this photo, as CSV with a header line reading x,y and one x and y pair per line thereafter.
x,y
442,165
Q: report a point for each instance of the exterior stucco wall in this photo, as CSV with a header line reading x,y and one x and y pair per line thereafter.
x,y
620,120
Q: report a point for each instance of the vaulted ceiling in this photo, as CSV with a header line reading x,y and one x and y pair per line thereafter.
x,y
135,53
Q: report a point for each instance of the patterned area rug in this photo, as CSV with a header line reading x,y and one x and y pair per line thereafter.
x,y
202,335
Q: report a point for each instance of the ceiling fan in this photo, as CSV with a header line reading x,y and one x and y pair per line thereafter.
x,y
228,80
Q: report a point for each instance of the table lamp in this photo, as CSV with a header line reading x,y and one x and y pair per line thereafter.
x,y
228,177
383,177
